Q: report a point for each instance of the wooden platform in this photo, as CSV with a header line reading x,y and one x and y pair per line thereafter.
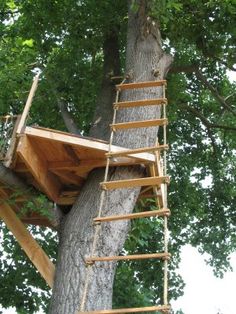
x,y
58,163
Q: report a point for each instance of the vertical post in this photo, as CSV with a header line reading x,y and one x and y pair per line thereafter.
x,y
28,105
165,286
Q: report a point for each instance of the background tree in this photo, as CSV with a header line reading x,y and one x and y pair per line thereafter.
x,y
75,44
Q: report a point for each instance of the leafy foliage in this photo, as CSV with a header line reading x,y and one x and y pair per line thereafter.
x,y
64,40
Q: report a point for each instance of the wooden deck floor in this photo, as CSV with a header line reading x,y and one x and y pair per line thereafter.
x,y
58,163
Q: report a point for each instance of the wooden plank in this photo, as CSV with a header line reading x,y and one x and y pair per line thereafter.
x,y
69,177
153,172
131,152
138,124
87,165
160,173
157,308
32,249
68,197
37,166
159,213
28,105
94,259
139,103
81,143
121,184
141,85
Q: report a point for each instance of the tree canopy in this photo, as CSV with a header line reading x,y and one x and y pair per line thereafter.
x,y
65,41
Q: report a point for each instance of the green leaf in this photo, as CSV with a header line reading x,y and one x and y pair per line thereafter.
x,y
28,42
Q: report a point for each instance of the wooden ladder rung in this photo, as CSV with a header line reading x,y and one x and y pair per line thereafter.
x,y
140,85
137,151
159,213
139,103
160,308
94,259
138,124
129,183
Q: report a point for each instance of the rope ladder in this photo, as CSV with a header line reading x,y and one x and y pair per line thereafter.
x,y
157,181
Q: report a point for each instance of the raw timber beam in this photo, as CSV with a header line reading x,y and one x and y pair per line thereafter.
x,y
28,104
37,165
32,249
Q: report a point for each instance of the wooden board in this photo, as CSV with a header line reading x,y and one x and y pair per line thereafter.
x,y
157,308
138,124
92,149
151,213
127,257
141,85
37,165
139,103
129,183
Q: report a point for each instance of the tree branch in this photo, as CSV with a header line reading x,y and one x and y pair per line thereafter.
x,y
68,120
184,68
214,92
205,121
66,116
230,67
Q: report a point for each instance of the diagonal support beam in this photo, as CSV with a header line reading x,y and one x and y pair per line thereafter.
x,y
32,249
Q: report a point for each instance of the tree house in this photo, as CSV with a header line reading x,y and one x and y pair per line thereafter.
x,y
57,164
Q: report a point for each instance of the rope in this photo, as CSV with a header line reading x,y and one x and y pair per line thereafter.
x,y
102,199
165,286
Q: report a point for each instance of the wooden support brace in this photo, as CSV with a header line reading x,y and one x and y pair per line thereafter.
x,y
130,152
32,249
157,308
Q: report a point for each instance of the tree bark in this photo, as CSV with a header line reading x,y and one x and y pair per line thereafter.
x,y
144,59
111,67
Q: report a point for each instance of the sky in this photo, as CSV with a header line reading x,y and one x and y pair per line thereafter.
x,y
204,293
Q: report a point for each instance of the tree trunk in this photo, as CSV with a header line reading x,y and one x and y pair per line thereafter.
x,y
144,58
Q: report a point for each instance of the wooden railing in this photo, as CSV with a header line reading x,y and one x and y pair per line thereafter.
x,y
8,126
11,126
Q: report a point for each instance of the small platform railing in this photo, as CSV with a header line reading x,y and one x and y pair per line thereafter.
x,y
8,127
13,125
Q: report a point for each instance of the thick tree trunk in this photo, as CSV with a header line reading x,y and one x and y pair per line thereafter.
x,y
144,59
104,110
